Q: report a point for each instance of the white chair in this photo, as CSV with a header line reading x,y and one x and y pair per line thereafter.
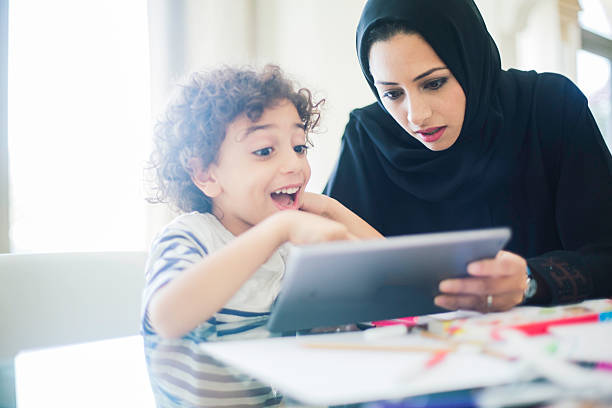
x,y
61,298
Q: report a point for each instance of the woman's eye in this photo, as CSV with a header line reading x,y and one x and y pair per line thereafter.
x,y
392,94
435,84
300,149
266,151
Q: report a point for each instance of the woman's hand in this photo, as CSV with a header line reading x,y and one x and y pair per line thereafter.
x,y
495,285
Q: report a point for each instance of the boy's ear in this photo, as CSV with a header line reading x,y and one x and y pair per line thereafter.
x,y
204,179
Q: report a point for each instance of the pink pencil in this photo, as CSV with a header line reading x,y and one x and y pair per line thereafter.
x,y
437,358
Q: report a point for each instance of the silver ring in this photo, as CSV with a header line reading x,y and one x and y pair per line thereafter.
x,y
489,302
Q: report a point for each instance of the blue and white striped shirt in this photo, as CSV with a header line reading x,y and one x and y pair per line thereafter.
x,y
181,374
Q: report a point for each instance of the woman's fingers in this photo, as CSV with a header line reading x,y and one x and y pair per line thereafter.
x,y
494,285
478,286
505,263
471,293
484,304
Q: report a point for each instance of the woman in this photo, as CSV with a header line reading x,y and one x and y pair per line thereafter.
x,y
454,142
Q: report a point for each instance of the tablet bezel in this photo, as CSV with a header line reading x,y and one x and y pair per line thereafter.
x,y
357,281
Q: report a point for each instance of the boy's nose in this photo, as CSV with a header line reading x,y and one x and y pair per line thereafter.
x,y
291,163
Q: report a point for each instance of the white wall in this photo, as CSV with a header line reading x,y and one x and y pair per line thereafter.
x,y
545,54
540,35
314,42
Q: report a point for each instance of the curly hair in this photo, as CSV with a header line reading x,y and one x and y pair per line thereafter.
x,y
196,120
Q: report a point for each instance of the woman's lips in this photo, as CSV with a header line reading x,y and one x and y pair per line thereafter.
x,y
432,134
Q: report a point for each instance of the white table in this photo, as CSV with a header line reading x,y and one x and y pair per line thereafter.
x,y
108,373
112,373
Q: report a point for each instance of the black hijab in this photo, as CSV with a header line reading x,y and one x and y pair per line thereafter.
x,y
457,33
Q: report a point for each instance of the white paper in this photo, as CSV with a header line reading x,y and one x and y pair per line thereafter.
x,y
336,376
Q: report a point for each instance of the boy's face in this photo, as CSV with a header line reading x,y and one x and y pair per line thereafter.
x,y
261,168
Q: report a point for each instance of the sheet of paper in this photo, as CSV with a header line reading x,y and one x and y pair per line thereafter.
x,y
586,342
341,375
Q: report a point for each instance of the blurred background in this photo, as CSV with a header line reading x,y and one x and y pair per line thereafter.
x,y
83,81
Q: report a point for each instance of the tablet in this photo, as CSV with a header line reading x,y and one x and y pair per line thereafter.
x,y
346,282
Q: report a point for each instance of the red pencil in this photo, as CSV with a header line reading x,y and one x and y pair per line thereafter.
x,y
436,358
536,328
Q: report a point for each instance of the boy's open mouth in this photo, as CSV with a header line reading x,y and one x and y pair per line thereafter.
x,y
285,198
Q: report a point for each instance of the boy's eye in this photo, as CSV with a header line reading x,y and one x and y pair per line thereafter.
x,y
392,94
266,151
435,84
300,149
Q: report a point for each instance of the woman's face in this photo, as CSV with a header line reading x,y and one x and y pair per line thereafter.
x,y
418,90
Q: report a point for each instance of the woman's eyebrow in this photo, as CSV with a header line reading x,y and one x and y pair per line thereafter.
x,y
423,75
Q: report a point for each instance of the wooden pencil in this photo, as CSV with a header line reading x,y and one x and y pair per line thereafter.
x,y
376,347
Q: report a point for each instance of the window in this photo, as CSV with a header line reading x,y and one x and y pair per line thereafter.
x,y
78,124
593,63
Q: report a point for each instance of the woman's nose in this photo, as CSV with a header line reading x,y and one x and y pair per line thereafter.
x,y
417,110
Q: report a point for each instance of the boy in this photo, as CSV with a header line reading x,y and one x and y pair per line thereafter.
x,y
231,153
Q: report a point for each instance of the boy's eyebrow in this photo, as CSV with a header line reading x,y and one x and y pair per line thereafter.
x,y
255,128
423,75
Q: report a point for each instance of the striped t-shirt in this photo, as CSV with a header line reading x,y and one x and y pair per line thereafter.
x,y
181,374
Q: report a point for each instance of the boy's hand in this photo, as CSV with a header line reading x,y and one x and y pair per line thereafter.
x,y
316,203
332,209
300,228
